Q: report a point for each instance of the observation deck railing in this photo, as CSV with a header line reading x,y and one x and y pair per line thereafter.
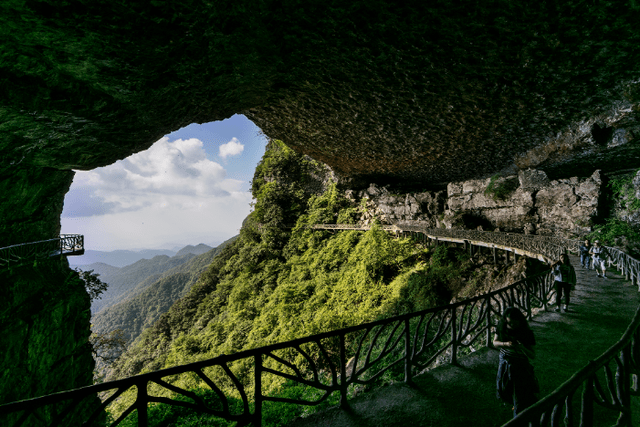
x,y
66,244
337,361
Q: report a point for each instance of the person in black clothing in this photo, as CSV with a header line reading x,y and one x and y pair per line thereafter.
x,y
564,280
585,257
516,381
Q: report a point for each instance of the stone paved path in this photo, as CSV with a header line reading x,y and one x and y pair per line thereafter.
x,y
600,311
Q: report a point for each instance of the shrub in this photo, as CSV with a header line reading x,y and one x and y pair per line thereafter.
x,y
501,188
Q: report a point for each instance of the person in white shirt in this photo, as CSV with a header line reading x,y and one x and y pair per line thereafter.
x,y
599,255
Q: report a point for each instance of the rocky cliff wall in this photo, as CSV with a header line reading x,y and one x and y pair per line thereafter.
x,y
31,205
45,331
526,203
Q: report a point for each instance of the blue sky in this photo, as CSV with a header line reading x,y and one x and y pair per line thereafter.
x,y
192,186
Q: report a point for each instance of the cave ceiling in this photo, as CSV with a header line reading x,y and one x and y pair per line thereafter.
x,y
426,92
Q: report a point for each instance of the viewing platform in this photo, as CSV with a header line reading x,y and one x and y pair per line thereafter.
x,y
65,245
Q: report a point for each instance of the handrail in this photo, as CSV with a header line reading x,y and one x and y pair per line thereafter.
x,y
330,362
618,387
66,244
617,396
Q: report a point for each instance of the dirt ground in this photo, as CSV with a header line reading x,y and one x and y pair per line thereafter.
x,y
464,395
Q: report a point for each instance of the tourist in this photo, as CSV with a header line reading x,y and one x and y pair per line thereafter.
x,y
599,254
516,381
585,257
565,280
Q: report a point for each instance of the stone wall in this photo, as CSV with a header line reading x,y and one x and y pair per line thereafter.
x,y
526,203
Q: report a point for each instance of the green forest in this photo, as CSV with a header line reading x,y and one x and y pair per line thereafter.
x,y
142,304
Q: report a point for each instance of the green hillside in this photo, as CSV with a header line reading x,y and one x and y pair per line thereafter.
x,y
144,303
275,283
132,279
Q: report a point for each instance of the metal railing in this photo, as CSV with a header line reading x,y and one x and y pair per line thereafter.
x,y
608,382
331,362
66,244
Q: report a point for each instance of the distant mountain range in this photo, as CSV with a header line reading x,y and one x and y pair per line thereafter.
x,y
119,258
139,293
123,258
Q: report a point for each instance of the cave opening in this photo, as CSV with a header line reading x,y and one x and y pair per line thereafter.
x,y
192,186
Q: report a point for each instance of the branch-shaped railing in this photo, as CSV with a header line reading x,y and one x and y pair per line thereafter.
x,y
66,244
331,362
606,384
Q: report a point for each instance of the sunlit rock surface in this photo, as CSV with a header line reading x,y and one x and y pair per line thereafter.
x,y
530,203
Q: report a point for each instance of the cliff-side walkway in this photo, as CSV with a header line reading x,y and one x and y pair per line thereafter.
x,y
464,395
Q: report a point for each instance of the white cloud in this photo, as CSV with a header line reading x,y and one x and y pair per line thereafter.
x,y
166,196
231,148
168,193
174,173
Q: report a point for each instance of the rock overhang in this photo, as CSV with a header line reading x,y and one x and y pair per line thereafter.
x,y
424,93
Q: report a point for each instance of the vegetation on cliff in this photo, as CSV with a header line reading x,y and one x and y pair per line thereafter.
x,y
45,332
621,228
280,280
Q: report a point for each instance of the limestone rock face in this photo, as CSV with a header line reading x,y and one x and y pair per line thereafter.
x,y
406,209
31,204
564,207
532,179
538,206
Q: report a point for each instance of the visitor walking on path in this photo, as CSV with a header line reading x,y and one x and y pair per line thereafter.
x,y
599,254
565,280
585,257
516,381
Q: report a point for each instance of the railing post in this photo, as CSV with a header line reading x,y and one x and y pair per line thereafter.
x,y
408,357
627,267
489,325
141,405
528,287
586,411
454,338
623,386
344,404
257,394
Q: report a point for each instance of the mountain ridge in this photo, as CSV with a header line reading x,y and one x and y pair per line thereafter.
x,y
152,296
130,280
118,258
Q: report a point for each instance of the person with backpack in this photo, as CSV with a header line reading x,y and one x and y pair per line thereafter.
x,y
565,280
516,381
